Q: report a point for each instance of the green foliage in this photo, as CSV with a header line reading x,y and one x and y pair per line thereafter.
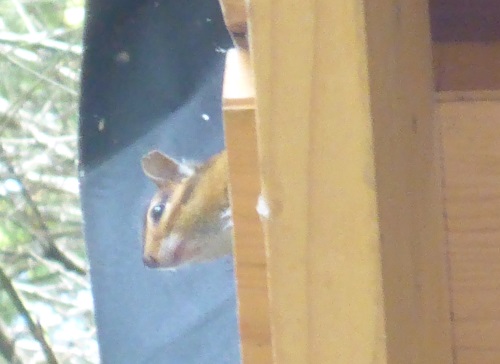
x,y
41,244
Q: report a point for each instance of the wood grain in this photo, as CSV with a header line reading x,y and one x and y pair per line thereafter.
x,y
249,252
466,66
471,135
348,170
235,18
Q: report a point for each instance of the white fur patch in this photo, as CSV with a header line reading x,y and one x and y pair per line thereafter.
x,y
168,246
186,169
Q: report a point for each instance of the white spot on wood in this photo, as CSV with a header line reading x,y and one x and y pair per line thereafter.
x,y
205,117
263,208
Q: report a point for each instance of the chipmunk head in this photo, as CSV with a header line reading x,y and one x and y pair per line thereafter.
x,y
189,218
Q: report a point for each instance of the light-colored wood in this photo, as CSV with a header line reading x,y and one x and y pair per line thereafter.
x,y
334,106
471,145
235,18
467,66
239,89
249,253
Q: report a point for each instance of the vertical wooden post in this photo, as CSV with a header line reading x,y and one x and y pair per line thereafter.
x,y
352,207
249,254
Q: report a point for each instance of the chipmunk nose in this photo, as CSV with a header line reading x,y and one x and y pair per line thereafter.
x,y
150,261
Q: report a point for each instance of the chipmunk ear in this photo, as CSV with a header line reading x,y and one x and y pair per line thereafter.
x,y
163,170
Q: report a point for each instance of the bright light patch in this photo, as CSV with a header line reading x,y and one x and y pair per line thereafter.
x,y
74,16
12,185
263,208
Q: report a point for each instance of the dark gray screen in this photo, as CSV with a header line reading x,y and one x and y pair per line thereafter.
x,y
152,77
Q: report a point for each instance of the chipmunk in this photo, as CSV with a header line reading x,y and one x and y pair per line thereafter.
x,y
189,218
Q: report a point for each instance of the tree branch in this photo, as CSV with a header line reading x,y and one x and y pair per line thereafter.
x,y
34,326
8,347
42,40
51,250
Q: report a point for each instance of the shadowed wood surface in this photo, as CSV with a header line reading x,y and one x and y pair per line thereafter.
x,y
466,66
471,144
235,18
465,20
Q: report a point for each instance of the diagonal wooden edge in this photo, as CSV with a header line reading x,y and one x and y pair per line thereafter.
x,y
238,90
235,17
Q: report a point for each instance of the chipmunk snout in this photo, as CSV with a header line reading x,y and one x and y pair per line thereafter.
x,y
150,261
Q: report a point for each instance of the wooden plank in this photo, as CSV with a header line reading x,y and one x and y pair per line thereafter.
x,y
471,134
408,170
480,335
470,356
322,136
466,66
465,20
249,253
235,18
463,96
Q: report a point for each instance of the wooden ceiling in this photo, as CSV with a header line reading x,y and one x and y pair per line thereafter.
x,y
465,20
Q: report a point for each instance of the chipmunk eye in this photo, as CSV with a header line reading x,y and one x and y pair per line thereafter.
x,y
157,211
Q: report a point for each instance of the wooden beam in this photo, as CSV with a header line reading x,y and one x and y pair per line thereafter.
x,y
351,200
466,66
235,18
465,20
249,253
409,175
471,131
